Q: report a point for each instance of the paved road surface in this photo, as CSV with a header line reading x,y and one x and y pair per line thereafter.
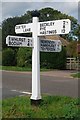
x,y
53,83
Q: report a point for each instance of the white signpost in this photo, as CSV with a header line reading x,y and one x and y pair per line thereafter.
x,y
36,93
50,45
18,41
39,29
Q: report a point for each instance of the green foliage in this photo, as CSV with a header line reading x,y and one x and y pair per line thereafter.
x,y
54,60
15,68
51,14
77,31
8,57
8,28
72,49
51,108
76,75
27,18
24,57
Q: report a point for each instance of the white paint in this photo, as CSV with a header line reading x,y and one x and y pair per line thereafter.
x,y
22,92
36,93
23,28
18,41
54,27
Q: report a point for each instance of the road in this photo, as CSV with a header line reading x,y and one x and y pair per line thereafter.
x,y
52,83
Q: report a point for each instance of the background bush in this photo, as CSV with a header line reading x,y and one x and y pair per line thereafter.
x,y
53,60
24,57
8,57
48,60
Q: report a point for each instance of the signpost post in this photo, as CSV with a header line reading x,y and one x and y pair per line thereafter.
x,y
36,93
39,29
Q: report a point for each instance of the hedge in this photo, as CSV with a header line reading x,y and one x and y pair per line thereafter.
x,y
8,57
23,58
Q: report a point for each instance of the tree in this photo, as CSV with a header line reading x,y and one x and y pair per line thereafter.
x,y
8,28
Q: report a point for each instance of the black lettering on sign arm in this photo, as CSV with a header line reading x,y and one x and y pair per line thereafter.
x,y
28,43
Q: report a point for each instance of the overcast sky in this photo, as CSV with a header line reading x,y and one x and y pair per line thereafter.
x,y
11,8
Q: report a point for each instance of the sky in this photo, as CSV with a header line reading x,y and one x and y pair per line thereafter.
x,y
10,8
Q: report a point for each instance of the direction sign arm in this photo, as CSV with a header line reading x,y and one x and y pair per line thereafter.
x,y
23,28
7,40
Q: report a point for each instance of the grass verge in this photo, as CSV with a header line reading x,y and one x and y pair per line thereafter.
x,y
15,68
77,75
51,107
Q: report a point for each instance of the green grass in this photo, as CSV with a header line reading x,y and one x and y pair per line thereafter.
x,y
51,107
15,68
0,109
76,75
